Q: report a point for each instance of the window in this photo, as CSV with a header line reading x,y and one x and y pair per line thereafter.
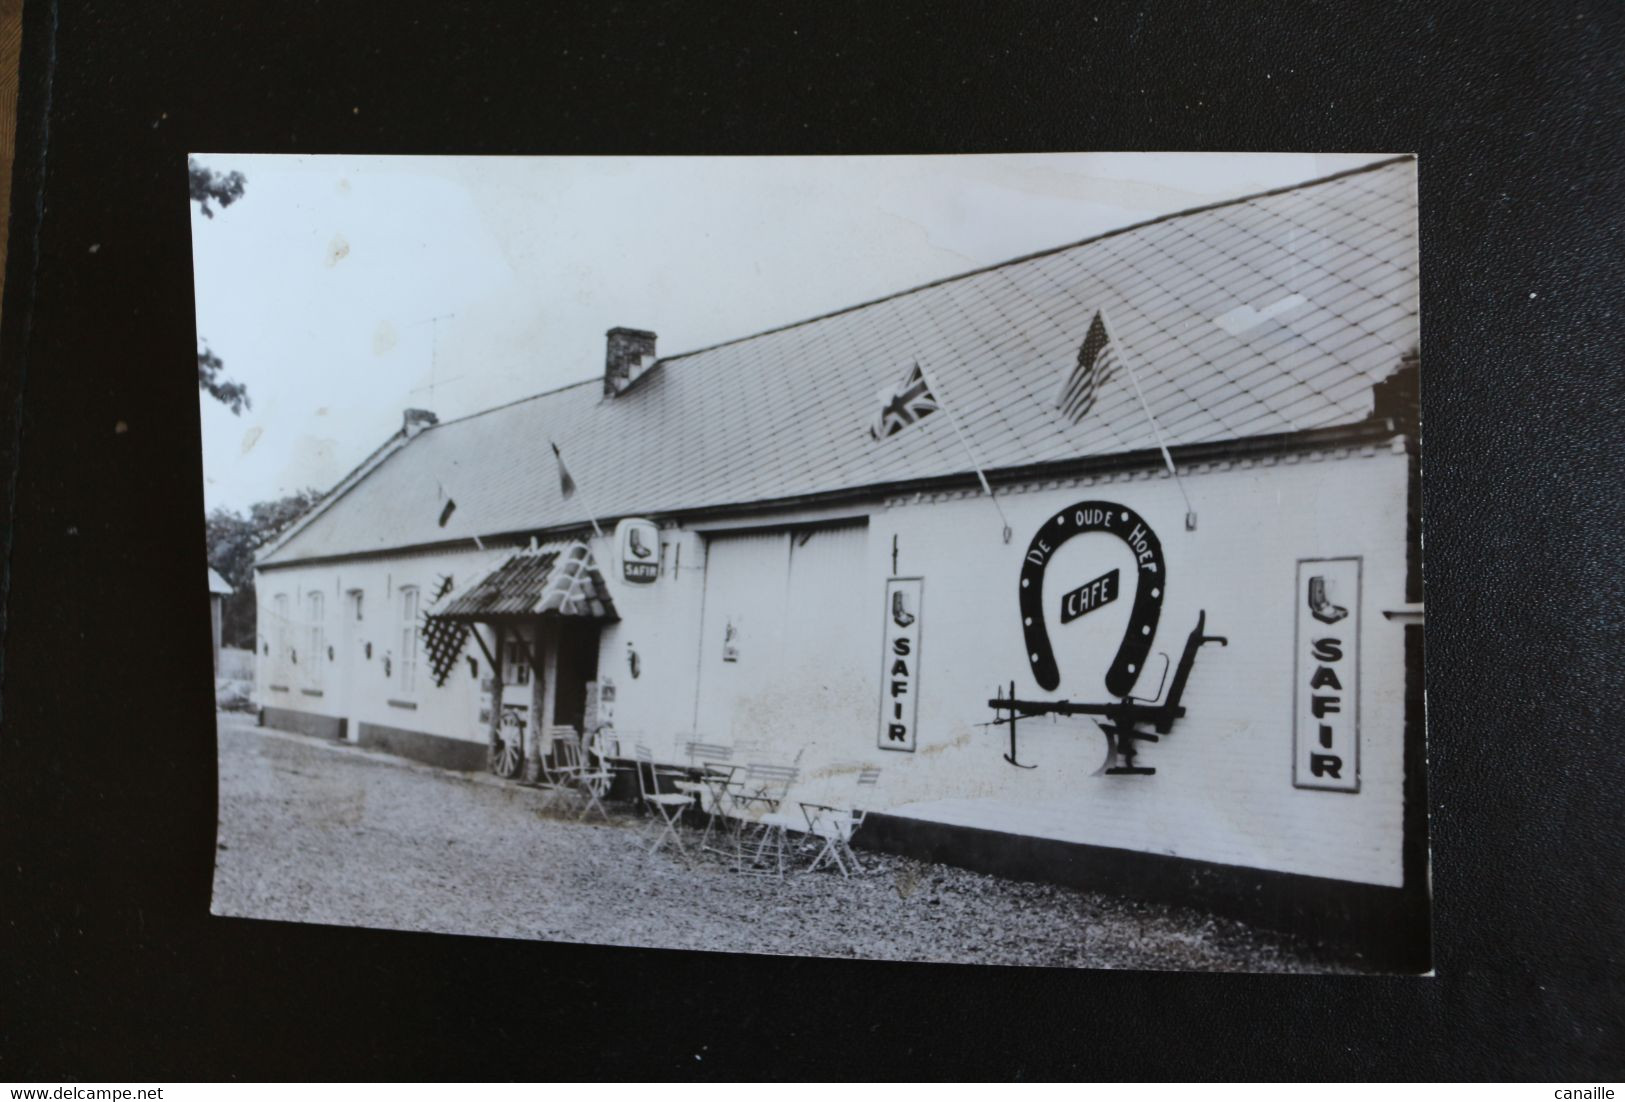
x,y
315,640
409,638
516,663
355,605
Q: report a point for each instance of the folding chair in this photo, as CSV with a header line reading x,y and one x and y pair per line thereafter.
x,y
667,806
759,831
556,774
712,761
595,773
607,748
566,750
701,753
836,826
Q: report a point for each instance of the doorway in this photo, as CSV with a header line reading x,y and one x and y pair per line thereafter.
x,y
577,667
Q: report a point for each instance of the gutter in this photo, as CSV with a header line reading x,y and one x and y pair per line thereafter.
x,y
1370,431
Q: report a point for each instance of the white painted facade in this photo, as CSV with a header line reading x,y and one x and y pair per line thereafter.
x,y
1223,791
767,635
372,675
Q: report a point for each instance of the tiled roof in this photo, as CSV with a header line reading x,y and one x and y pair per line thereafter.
x,y
1272,314
557,578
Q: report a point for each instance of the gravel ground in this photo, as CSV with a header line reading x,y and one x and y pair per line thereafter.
x,y
315,832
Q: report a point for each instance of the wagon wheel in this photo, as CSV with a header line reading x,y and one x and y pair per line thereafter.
x,y
509,753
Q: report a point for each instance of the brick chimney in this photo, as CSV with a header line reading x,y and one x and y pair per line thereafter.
x,y
414,421
630,353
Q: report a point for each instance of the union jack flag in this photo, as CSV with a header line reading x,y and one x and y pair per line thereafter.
x,y
1097,360
904,404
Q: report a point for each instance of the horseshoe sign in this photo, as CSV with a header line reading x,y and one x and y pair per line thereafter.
x,y
1126,525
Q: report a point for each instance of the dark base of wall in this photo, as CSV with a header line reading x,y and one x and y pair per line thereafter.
x,y
1384,928
447,753
624,788
306,723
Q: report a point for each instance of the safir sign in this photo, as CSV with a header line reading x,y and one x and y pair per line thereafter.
x,y
900,664
637,544
1326,710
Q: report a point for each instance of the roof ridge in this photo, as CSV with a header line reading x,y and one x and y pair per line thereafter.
x,y
1236,201
513,402
1314,182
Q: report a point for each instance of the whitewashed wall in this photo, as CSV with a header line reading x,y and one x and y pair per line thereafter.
x,y
807,682
661,624
367,694
797,686
1223,789
806,685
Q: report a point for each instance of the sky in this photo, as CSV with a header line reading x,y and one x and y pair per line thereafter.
x,y
343,290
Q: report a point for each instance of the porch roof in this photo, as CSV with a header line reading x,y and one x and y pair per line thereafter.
x,y
557,579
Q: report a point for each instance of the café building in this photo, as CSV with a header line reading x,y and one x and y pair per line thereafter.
x,y
1175,654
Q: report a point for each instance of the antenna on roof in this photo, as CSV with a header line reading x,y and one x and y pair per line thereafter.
x,y
434,352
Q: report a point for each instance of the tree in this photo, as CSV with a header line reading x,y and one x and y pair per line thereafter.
x,y
205,184
231,394
233,542
224,188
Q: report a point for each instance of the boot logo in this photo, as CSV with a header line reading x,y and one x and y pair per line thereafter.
x,y
1320,605
637,544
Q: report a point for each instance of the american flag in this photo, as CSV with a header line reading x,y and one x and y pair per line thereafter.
x,y
904,404
1097,360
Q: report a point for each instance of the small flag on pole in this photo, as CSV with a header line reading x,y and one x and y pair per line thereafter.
x,y
934,398
1097,361
567,488
567,485
904,404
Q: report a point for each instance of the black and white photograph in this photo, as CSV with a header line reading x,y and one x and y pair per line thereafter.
x,y
995,559
716,546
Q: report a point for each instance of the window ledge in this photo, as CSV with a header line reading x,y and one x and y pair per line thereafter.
x,y
278,688
410,705
311,692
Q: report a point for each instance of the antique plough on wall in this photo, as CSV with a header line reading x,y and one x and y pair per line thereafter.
x,y
1123,718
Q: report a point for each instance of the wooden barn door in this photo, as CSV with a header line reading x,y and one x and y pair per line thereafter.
x,y
783,646
746,577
